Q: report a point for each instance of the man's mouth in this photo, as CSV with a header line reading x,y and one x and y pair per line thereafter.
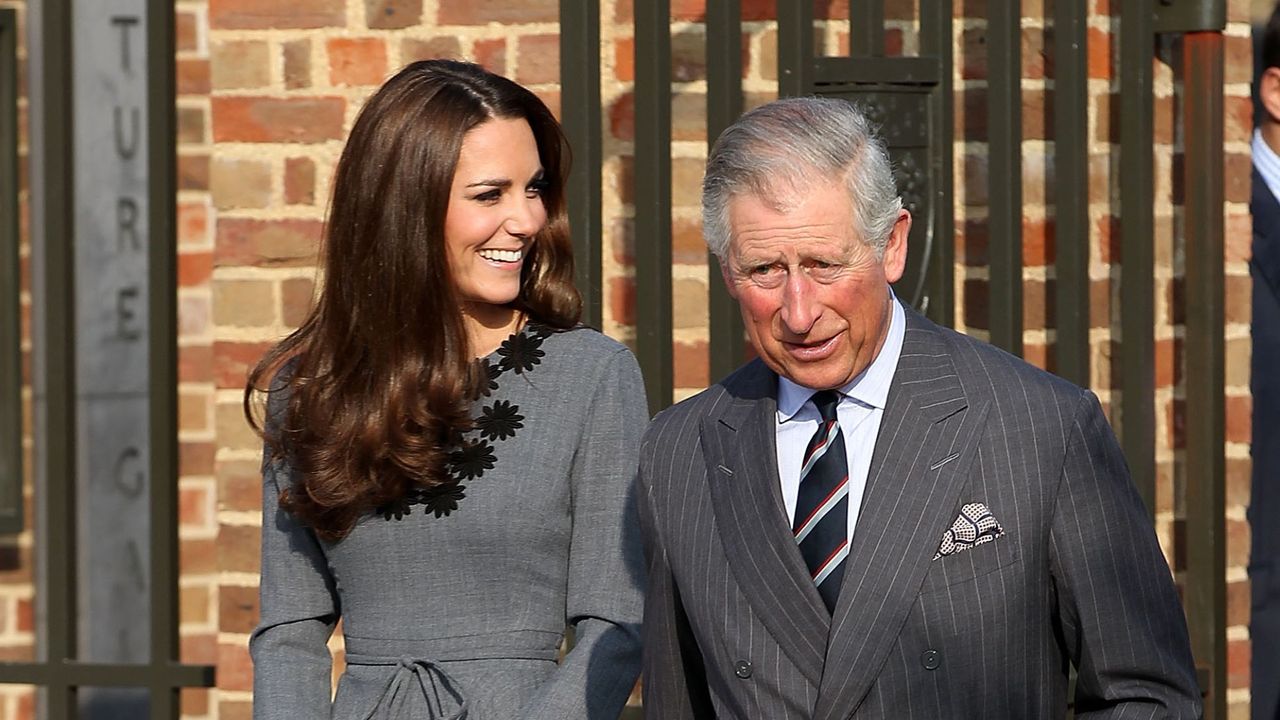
x,y
810,351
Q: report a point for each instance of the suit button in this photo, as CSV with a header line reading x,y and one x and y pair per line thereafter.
x,y
931,659
742,669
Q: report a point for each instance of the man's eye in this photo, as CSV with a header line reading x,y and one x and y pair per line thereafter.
x,y
761,269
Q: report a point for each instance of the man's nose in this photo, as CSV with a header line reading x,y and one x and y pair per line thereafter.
x,y
800,308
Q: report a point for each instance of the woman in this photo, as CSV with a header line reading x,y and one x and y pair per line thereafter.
x,y
449,455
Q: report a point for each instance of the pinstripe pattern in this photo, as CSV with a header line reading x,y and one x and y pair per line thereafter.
x,y
988,632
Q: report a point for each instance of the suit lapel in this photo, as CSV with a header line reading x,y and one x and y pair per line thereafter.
x,y
739,446
924,448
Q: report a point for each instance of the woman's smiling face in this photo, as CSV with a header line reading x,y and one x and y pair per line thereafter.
x,y
495,210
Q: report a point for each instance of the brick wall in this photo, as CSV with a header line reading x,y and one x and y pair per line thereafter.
x,y
269,88
17,619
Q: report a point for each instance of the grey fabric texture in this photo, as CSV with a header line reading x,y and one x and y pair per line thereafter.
x,y
734,627
462,615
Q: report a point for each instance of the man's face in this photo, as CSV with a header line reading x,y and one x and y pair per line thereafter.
x,y
814,297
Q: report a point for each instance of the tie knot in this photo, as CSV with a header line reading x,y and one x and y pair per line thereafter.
x,y
826,402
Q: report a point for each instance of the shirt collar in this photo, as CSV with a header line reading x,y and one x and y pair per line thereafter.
x,y
870,387
1267,163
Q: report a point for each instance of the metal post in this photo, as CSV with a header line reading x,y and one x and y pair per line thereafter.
x,y
1071,189
10,283
1004,173
724,105
580,114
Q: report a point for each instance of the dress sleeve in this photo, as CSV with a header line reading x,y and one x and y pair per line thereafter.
x,y
299,609
1117,606
606,574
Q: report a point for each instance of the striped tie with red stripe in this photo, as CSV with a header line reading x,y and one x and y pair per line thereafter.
x,y
821,523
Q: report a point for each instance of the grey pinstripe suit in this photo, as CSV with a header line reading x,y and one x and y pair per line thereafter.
x,y
734,627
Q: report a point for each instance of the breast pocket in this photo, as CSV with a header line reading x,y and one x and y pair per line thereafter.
x,y
966,565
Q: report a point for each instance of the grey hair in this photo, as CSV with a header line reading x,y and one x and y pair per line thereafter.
x,y
779,150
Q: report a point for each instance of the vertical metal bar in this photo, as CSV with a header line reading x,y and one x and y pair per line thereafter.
x,y
724,105
1205,587
580,115
59,431
795,48
1004,172
10,283
653,198
162,357
866,31
1137,223
936,41
1071,189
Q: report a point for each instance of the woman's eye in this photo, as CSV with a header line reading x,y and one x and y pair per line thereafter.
x,y
536,188
489,196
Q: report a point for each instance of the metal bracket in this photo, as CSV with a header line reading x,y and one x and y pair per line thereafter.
x,y
1182,16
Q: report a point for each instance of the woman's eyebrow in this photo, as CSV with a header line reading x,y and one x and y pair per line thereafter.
x,y
492,182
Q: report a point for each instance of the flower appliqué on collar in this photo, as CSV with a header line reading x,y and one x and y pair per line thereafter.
x,y
497,422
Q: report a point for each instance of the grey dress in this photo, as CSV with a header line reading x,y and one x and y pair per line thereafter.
x,y
454,604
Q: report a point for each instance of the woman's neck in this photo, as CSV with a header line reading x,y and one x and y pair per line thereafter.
x,y
488,325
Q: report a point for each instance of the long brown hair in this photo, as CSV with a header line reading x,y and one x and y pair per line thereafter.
x,y
379,378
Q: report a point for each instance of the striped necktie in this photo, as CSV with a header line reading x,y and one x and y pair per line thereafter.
x,y
821,523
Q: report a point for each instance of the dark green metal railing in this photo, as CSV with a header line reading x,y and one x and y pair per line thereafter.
x,y
10,284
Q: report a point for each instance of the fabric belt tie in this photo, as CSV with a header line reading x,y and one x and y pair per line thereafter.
x,y
415,678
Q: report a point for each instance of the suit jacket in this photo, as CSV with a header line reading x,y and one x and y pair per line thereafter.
x,y
1264,505
734,627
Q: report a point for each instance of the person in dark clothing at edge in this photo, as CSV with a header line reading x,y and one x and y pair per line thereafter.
x,y
1264,507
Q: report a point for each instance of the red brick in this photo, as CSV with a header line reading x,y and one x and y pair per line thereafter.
x,y
238,549
195,458
194,269
198,556
1239,418
194,507
186,31
1038,242
232,362
281,120
1239,169
357,61
195,363
235,710
237,609
624,59
299,181
1038,304
538,59
191,125
505,12
687,245
491,55
1239,119
622,300
1238,602
235,668
1237,59
24,616
193,223
622,117
239,486
201,649
267,243
193,76
194,702
297,64
193,171
1238,661
276,14
690,365
1099,49
1238,237
392,14
973,53
443,46
296,296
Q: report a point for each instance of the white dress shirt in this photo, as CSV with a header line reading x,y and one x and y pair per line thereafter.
x,y
860,410
1267,163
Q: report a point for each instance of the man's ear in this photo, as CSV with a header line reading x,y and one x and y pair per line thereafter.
x,y
895,251
1269,92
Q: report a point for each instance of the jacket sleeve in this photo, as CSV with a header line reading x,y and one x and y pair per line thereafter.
x,y
299,609
606,576
1118,609
675,685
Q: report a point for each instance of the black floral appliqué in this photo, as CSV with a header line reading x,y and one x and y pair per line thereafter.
x,y
521,352
471,460
499,421
444,500
472,456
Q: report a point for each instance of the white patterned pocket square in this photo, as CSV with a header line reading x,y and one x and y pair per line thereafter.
x,y
975,525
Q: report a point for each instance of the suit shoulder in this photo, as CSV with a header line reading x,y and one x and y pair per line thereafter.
x,y
985,368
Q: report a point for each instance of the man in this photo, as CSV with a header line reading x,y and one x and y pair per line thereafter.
x,y
1264,506
938,532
